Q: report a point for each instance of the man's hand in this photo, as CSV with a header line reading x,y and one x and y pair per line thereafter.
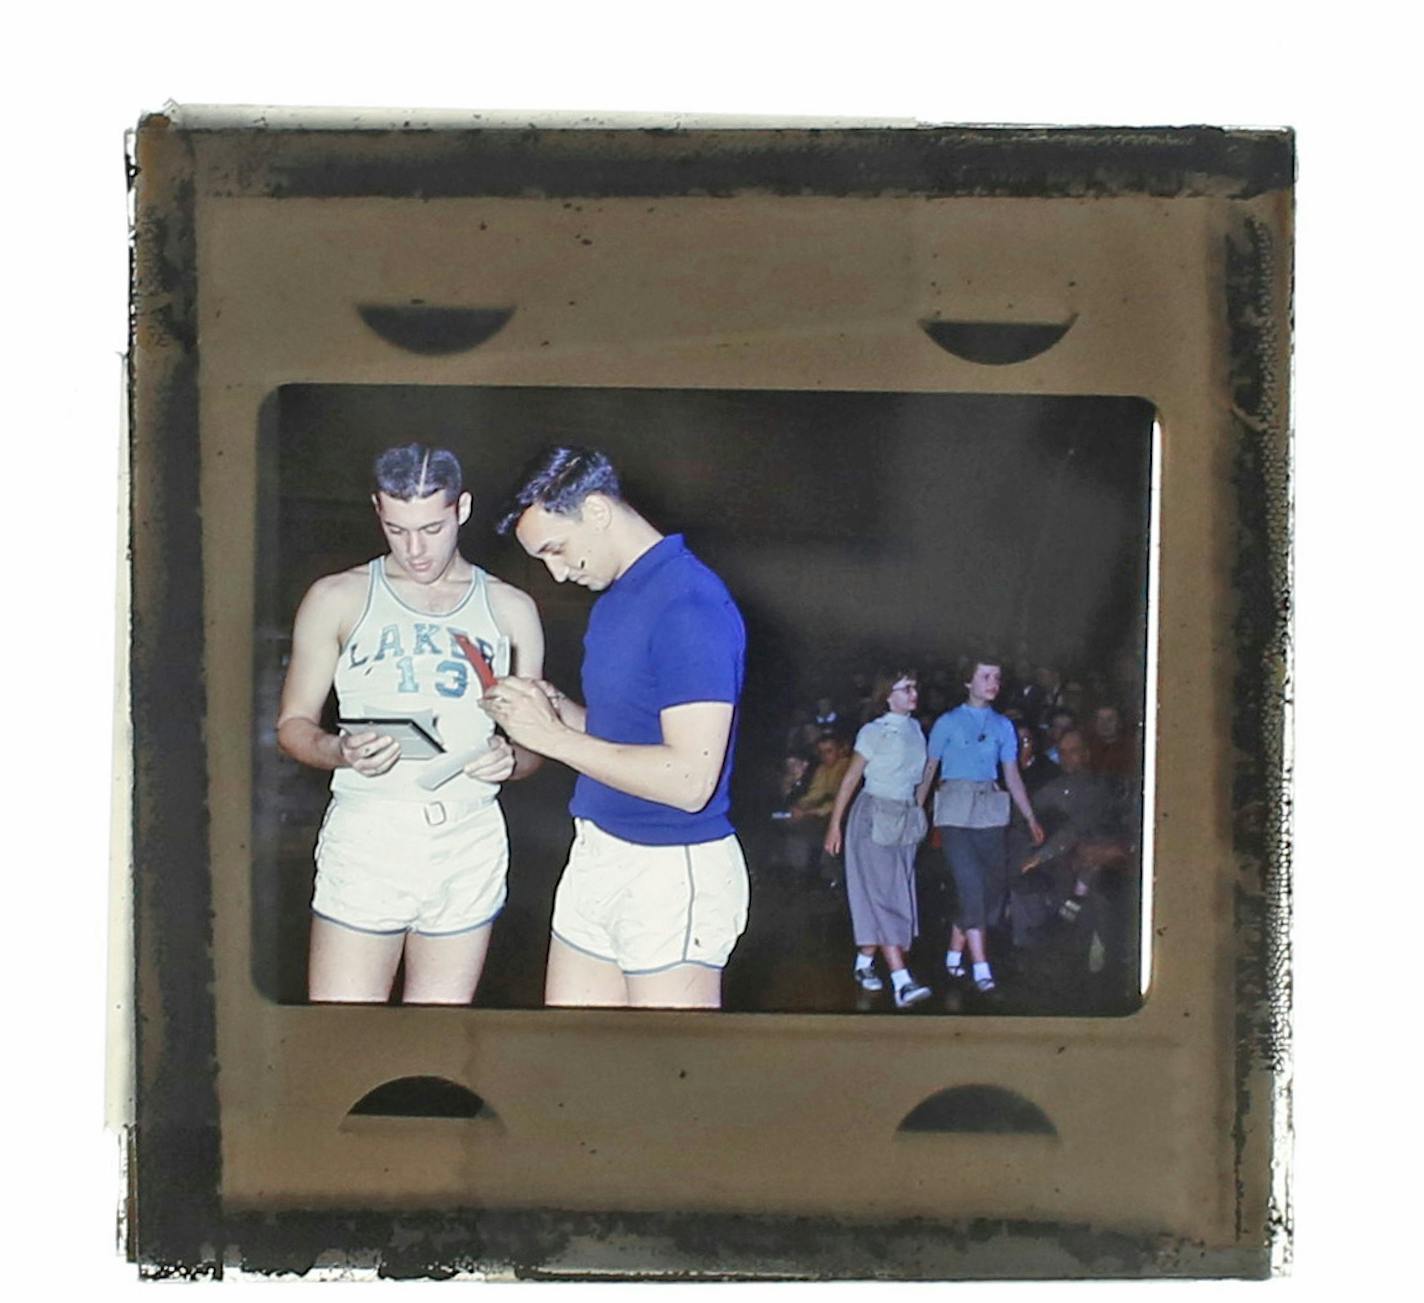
x,y
494,764
1035,830
522,707
832,844
369,754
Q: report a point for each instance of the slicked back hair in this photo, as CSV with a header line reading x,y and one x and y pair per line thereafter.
x,y
416,470
559,479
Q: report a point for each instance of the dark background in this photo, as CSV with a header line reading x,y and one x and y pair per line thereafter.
x,y
853,529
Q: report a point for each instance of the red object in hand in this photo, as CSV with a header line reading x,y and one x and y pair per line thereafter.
x,y
476,658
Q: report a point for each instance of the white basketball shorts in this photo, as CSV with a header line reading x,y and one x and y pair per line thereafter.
x,y
650,908
437,867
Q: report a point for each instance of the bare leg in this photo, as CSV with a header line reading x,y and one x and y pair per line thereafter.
x,y
574,978
687,986
894,958
956,939
351,967
977,952
444,970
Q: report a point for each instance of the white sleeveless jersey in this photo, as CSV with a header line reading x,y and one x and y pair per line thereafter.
x,y
398,660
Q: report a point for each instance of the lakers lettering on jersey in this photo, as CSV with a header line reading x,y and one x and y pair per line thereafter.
x,y
450,677
399,660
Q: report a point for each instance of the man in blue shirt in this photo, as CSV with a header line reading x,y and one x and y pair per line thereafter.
x,y
654,895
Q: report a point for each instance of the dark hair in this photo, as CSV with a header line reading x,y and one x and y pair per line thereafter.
x,y
416,470
559,479
882,683
977,656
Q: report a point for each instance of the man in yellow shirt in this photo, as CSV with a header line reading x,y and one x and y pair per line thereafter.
x,y
806,827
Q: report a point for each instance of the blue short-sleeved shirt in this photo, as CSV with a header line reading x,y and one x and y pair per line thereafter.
x,y
954,742
665,633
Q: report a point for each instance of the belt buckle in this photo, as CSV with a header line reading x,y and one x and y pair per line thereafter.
x,y
435,813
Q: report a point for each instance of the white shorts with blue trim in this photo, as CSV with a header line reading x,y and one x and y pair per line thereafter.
x,y
651,908
386,867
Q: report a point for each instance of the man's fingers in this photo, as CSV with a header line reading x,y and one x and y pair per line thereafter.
x,y
494,764
355,745
377,758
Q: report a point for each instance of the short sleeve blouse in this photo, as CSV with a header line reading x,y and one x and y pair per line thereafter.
x,y
894,752
971,743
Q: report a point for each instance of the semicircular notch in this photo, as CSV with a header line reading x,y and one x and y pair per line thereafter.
x,y
421,328
991,1109
421,1097
996,343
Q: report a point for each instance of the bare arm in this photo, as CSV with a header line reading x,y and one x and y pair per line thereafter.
x,y
517,615
844,792
316,645
568,710
1014,782
521,616
926,780
681,771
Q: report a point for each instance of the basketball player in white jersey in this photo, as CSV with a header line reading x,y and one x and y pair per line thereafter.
x,y
403,871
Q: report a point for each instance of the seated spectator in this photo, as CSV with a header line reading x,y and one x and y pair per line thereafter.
x,y
1111,747
1034,769
807,815
826,715
832,760
793,780
1060,721
1081,809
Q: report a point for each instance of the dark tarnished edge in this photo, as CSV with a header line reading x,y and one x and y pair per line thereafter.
x,y
666,162
1258,307
545,1244
173,1143
176,1223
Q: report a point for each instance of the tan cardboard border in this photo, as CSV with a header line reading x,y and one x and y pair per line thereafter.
x,y
247,262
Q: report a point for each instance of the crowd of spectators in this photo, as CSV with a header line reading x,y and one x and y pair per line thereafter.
x,y
1075,897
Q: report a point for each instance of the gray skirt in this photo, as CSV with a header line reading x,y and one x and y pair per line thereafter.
x,y
880,884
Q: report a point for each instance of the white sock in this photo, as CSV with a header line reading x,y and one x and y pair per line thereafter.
x,y
954,959
982,973
864,961
901,977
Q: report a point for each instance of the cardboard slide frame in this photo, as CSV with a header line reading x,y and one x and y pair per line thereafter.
x,y
715,1145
